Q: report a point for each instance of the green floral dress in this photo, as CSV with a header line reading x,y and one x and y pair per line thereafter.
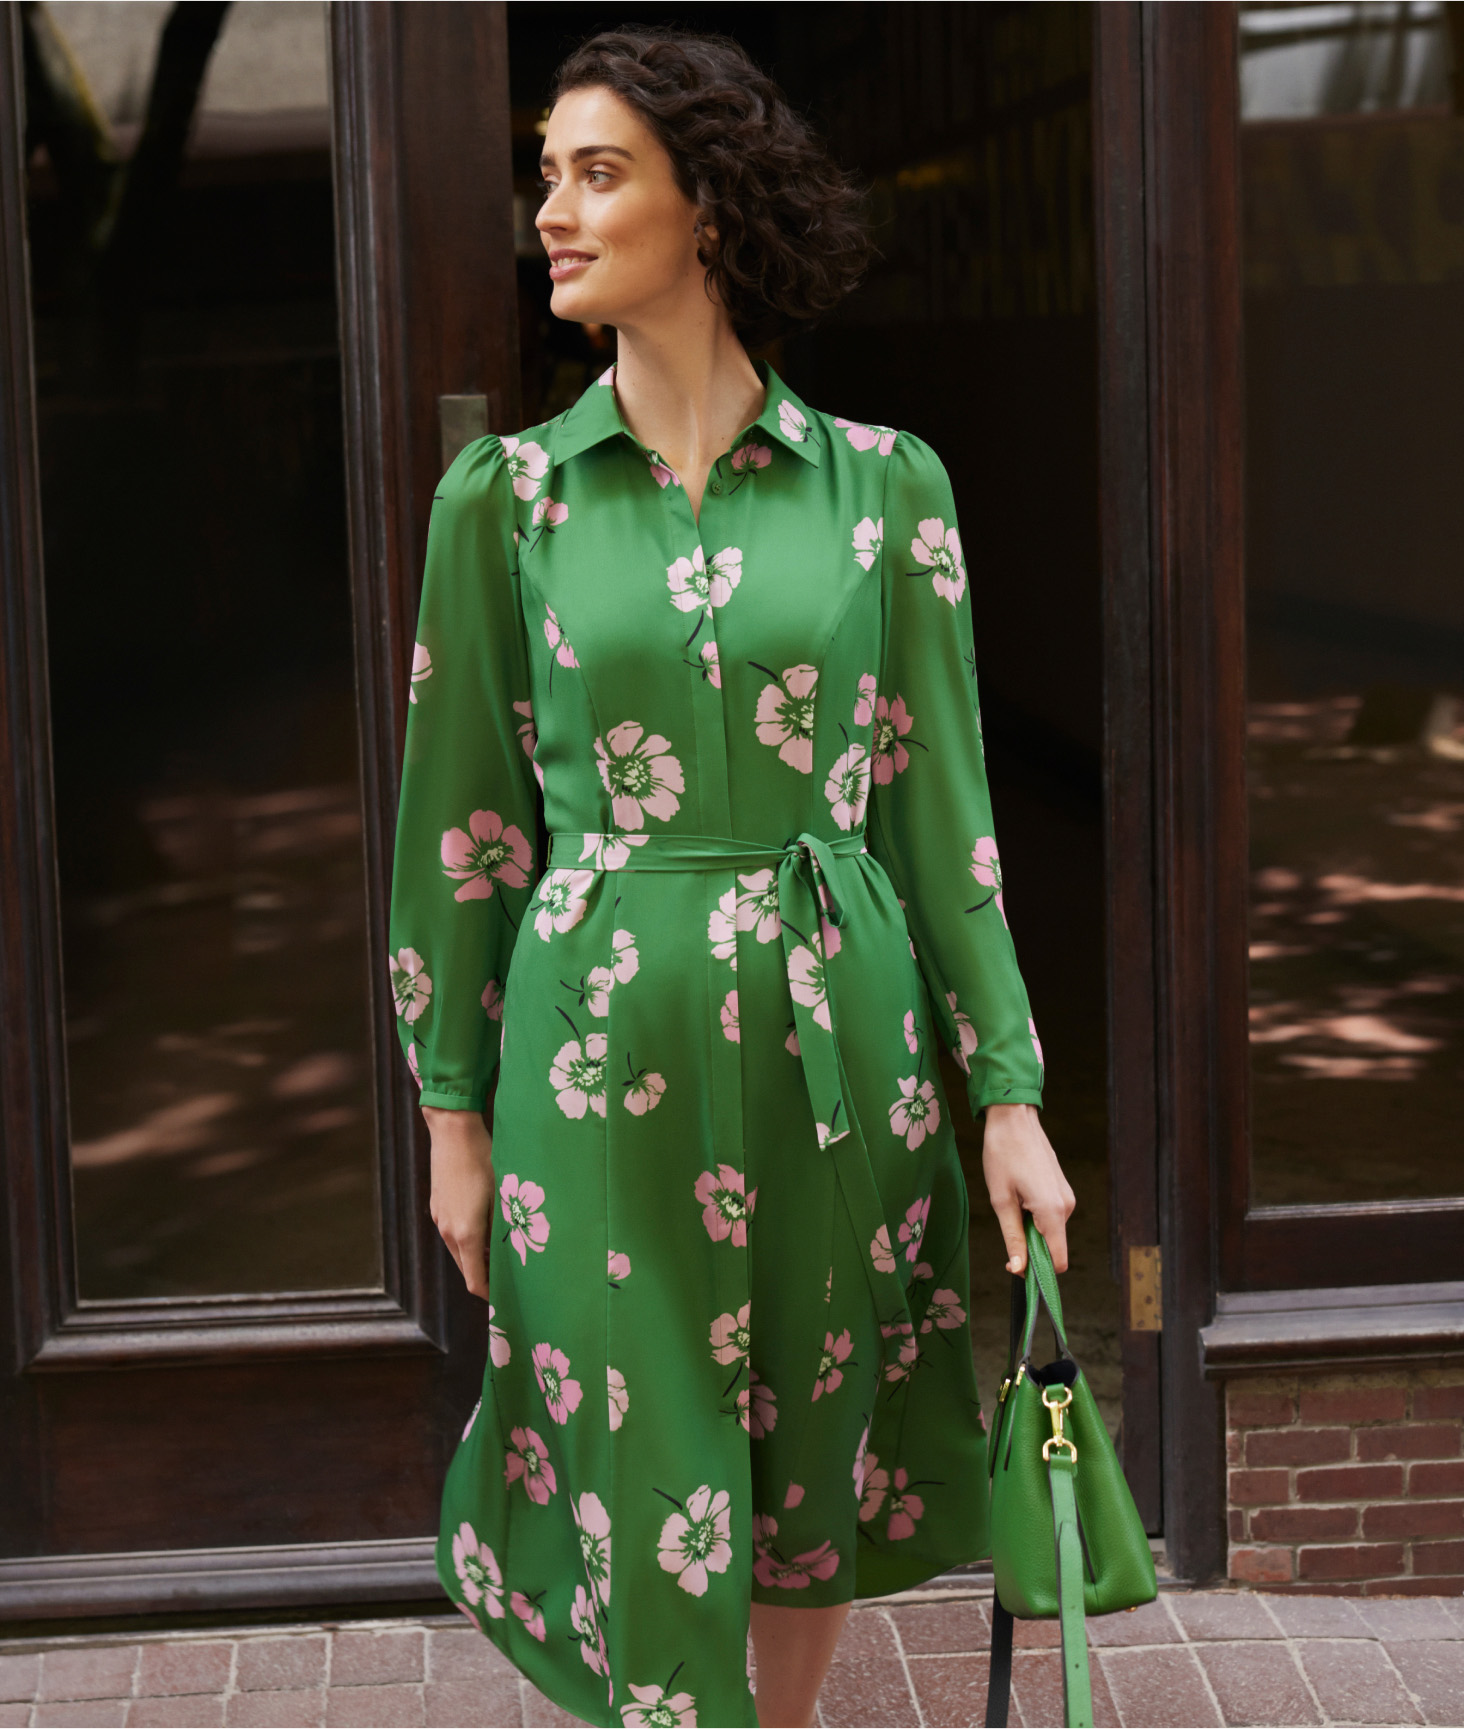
x,y
728,1355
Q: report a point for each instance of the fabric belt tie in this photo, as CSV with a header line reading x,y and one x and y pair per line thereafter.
x,y
810,914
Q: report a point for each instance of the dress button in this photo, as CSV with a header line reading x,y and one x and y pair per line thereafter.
x,y
717,486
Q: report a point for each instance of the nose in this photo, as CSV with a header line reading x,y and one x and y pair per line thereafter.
x,y
549,216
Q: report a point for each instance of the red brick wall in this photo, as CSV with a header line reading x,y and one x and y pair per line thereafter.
x,y
1346,1483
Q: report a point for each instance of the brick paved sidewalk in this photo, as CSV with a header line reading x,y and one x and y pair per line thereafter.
x,y
1193,1657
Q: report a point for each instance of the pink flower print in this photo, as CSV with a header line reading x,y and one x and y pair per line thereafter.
x,y
499,1349
757,1407
643,1093
578,1076
922,1270
550,514
619,1399
749,458
714,666
587,1630
1033,1035
610,852
617,1266
656,1705
827,1136
557,639
520,1204
914,1227
785,715
939,549
793,1494
868,437
730,1337
987,869
641,778
791,423
820,1563
412,1064
600,981
489,853
877,1481
694,583
472,1415
912,1037
916,1113
661,472
863,1461
848,786
552,1371
729,1014
478,1572
806,979
560,900
966,1034
722,928
892,723
529,738
593,1523
527,465
835,1352
697,1541
607,377
944,1310
527,1462
909,1349
725,1209
529,1613
421,669
905,1508
493,1000
869,540
865,701
881,1252
757,906
411,987
791,1043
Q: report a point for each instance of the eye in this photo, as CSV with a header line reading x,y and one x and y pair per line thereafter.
x,y
545,187
597,173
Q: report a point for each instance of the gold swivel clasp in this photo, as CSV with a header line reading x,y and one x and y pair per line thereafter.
x,y
1056,1408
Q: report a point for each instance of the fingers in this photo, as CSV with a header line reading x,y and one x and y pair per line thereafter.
x,y
1009,1218
1050,1221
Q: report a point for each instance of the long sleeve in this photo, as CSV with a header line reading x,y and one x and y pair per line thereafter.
x,y
931,816
463,862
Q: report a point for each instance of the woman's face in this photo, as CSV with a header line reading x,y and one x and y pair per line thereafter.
x,y
617,227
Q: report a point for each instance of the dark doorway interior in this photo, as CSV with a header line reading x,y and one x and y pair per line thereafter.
x,y
976,329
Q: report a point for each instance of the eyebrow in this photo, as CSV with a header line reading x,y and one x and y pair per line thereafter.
x,y
589,150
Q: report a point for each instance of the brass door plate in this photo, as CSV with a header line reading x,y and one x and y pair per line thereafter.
x,y
1145,1311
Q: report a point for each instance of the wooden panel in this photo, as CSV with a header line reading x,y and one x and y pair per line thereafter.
x,y
239,1424
1194,379
1373,1243
1124,503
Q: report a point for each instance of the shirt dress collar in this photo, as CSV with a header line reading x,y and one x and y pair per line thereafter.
x,y
596,416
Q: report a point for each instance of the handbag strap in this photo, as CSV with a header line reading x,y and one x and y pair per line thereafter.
x,y
1078,1704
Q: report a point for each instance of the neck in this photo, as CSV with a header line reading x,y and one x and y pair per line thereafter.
x,y
687,393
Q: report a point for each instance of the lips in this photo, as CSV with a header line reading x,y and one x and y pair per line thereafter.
x,y
564,264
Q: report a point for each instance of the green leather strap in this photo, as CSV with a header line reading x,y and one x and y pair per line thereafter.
x,y
1078,1705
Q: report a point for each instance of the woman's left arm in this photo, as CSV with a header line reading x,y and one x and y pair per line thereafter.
x,y
931,828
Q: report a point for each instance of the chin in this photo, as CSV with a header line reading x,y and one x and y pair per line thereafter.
x,y
574,308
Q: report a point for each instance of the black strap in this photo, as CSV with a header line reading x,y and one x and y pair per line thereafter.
x,y
999,1672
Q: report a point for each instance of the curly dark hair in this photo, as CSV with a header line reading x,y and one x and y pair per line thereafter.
x,y
792,234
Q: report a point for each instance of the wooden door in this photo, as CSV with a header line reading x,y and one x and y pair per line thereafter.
x,y
242,1441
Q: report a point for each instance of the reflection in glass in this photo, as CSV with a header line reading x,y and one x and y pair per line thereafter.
x,y
1351,248
200,654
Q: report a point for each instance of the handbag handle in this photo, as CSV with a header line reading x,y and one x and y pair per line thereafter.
x,y
1041,1287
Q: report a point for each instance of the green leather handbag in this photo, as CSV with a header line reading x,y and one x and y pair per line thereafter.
x,y
1066,1536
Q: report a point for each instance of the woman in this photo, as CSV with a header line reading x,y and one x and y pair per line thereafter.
x,y
727,638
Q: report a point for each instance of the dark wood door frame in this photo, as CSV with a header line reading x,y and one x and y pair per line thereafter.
x,y
1168,277
427,307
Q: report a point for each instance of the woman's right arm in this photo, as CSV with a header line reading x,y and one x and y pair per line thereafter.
x,y
463,865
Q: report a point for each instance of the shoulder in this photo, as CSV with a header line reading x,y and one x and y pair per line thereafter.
x,y
901,453
497,470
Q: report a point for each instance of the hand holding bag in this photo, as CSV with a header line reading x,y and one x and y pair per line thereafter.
x,y
1066,1536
